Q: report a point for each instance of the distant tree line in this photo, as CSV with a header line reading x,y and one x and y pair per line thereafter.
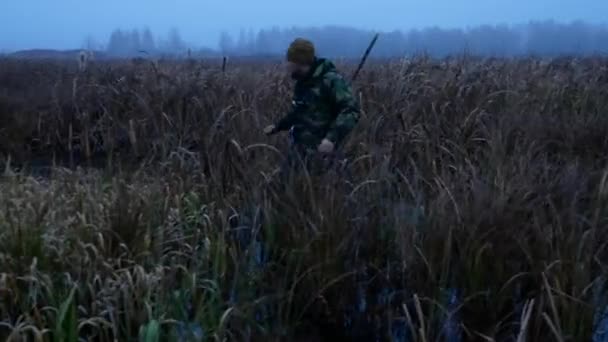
x,y
126,43
546,38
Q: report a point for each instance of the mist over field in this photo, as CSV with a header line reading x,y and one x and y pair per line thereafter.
x,y
341,28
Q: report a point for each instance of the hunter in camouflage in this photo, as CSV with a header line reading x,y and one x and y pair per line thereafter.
x,y
324,109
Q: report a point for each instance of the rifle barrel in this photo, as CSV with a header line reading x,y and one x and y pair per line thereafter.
x,y
365,55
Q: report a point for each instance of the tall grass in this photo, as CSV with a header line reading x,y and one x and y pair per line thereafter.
x,y
475,207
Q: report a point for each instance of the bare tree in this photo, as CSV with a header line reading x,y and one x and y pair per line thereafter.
x,y
175,43
226,43
147,41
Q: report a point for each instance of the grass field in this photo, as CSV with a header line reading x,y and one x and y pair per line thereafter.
x,y
135,203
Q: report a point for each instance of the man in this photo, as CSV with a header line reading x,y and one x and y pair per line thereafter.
x,y
324,109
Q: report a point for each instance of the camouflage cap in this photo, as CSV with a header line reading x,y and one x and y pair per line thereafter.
x,y
301,51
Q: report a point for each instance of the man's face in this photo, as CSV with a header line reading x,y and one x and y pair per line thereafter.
x,y
297,71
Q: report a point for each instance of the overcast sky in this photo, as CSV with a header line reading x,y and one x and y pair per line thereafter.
x,y
65,23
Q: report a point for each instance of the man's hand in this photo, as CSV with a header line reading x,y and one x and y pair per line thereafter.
x,y
270,129
326,146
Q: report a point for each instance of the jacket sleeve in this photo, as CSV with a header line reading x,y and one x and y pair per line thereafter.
x,y
346,106
288,120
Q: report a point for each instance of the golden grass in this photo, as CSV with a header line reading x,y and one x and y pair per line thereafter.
x,y
485,176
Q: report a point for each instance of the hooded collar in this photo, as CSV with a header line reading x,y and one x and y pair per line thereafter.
x,y
319,68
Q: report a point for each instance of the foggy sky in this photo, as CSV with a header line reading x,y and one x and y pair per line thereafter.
x,y
65,23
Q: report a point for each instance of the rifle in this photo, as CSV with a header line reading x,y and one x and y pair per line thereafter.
x,y
365,55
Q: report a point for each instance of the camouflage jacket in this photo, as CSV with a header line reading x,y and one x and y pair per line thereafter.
x,y
323,107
